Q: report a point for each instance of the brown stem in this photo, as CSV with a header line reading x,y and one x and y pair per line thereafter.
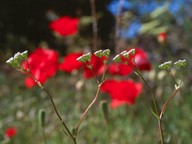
x,y
95,30
88,108
117,25
161,131
167,101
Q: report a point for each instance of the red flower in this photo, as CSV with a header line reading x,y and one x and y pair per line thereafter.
x,y
97,67
119,69
65,25
162,37
141,61
43,64
121,92
10,132
70,63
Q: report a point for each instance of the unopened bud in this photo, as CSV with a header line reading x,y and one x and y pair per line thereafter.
x,y
165,65
181,64
84,58
106,52
98,53
41,117
117,58
17,59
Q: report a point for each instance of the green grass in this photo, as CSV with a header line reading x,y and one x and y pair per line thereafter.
x,y
135,124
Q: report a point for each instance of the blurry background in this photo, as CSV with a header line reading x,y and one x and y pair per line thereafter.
x,y
24,25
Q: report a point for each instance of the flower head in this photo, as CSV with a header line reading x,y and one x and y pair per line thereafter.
x,y
97,66
162,37
17,59
65,26
131,58
121,91
70,63
10,132
43,64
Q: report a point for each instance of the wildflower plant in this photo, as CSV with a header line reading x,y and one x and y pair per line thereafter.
x,y
42,64
116,89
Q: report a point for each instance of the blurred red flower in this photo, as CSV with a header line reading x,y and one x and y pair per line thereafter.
x,y
119,69
97,67
121,92
43,64
10,132
70,62
65,26
162,37
141,61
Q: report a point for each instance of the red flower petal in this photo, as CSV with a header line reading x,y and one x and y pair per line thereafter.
x,y
65,25
70,62
121,92
119,69
141,60
43,64
10,132
98,67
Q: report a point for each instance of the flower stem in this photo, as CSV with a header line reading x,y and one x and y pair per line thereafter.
x,y
154,102
161,130
117,25
95,30
88,108
53,104
167,101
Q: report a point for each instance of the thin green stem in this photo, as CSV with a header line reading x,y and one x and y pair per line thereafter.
x,y
43,134
154,101
92,102
145,82
53,104
88,108
167,101
172,78
161,130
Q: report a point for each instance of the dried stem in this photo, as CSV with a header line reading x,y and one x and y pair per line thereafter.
x,y
117,25
95,30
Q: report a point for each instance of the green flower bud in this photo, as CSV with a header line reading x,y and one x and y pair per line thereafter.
x,y
132,51
106,52
123,52
13,63
99,53
165,65
17,60
87,56
181,64
126,55
117,58
105,109
84,58
41,117
24,55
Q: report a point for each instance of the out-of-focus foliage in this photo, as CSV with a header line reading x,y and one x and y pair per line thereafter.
x,y
161,28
